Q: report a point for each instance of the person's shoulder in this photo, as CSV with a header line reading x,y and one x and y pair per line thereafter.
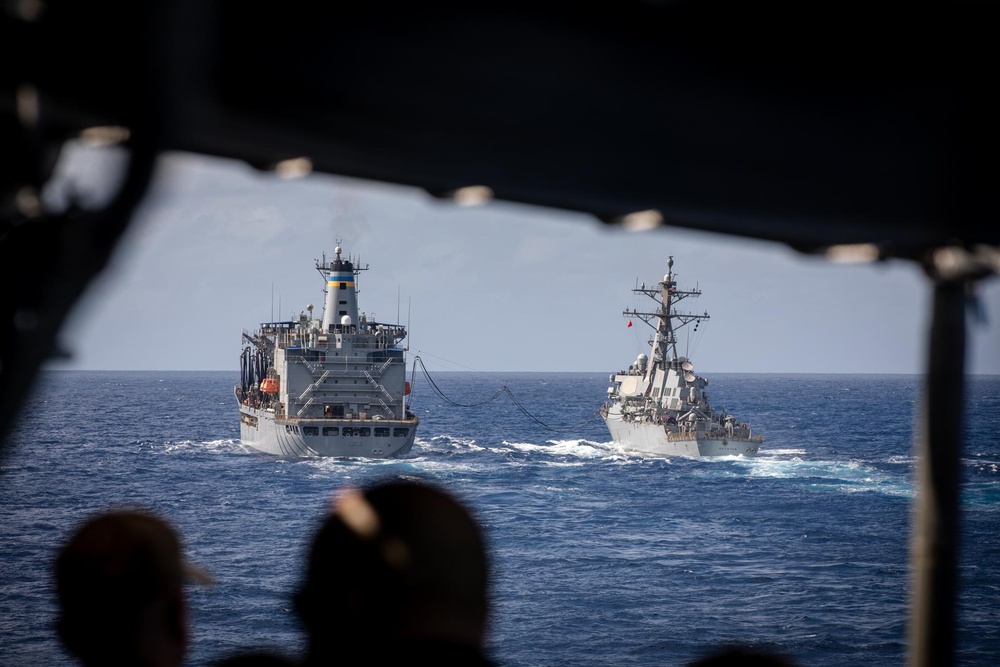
x,y
445,654
260,658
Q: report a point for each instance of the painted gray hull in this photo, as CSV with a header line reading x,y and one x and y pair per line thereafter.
x,y
655,440
261,431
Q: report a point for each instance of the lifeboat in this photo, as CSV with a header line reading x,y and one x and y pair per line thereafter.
x,y
407,389
269,385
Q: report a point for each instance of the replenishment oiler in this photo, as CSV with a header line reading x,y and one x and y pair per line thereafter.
x,y
658,405
334,386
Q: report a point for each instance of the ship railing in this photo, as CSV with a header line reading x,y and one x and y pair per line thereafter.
x,y
350,373
378,385
389,411
315,385
287,340
303,409
313,366
708,435
361,337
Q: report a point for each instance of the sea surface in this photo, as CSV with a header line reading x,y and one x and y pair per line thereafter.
x,y
600,557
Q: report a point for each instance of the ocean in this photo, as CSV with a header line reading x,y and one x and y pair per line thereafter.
x,y
599,557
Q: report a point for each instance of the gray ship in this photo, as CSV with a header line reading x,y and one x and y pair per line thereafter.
x,y
659,406
334,386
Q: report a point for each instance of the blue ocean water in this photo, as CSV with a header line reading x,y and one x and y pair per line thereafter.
x,y
599,557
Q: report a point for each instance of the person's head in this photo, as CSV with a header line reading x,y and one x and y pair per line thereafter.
x,y
120,588
400,559
742,656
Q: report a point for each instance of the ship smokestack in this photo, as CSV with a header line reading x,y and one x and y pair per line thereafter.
x,y
341,292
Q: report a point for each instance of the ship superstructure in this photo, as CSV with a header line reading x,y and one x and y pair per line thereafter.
x,y
329,386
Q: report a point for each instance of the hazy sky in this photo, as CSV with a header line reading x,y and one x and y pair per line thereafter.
x,y
218,248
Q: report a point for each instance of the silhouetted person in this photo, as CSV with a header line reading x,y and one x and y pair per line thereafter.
x,y
397,573
256,658
120,587
741,656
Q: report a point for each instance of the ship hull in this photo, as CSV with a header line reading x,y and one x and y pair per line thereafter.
x,y
263,432
654,439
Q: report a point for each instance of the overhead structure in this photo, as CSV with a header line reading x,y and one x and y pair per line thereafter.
x,y
847,135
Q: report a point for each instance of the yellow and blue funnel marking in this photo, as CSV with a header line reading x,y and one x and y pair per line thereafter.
x,y
346,278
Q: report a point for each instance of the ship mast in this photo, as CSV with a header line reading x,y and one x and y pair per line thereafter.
x,y
664,320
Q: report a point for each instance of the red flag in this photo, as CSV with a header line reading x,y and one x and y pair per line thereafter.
x,y
630,322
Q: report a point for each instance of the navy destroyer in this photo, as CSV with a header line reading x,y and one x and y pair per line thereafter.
x,y
658,405
334,386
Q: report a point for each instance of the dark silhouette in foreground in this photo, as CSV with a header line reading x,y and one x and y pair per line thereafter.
x,y
119,582
397,572
256,658
740,656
